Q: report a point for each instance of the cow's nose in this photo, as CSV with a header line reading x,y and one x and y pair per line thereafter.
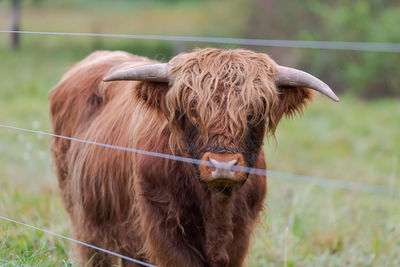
x,y
221,169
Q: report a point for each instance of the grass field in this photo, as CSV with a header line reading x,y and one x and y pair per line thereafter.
x,y
303,224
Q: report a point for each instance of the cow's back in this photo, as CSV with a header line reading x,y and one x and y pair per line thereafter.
x,y
83,106
81,92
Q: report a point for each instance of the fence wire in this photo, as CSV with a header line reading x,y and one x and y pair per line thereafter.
x,y
79,242
330,183
353,46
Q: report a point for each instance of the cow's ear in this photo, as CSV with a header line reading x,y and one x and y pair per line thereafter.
x,y
291,101
152,93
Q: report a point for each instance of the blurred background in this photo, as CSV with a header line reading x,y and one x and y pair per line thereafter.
x,y
357,139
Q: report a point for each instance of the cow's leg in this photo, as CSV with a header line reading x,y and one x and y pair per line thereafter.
x,y
126,263
93,258
132,251
90,257
239,248
166,246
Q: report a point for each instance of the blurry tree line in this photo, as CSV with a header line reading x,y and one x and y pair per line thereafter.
x,y
368,74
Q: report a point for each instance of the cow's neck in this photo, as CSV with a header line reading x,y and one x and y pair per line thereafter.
x,y
218,225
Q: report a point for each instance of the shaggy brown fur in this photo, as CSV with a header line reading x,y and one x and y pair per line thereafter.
x,y
155,209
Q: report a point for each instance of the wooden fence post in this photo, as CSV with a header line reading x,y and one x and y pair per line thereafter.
x,y
14,25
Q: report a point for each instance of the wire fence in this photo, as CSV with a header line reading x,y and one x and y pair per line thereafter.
x,y
353,46
78,242
330,183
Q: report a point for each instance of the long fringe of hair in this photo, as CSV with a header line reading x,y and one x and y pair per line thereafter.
x,y
222,89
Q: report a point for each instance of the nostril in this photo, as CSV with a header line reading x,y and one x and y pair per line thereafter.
x,y
234,166
233,163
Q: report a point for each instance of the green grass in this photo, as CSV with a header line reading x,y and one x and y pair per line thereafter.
x,y
352,140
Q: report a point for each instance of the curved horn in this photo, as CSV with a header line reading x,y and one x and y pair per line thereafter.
x,y
154,73
293,77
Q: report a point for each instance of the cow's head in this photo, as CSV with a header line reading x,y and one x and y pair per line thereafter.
x,y
220,104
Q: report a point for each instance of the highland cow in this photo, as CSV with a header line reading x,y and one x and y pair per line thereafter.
x,y
213,105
